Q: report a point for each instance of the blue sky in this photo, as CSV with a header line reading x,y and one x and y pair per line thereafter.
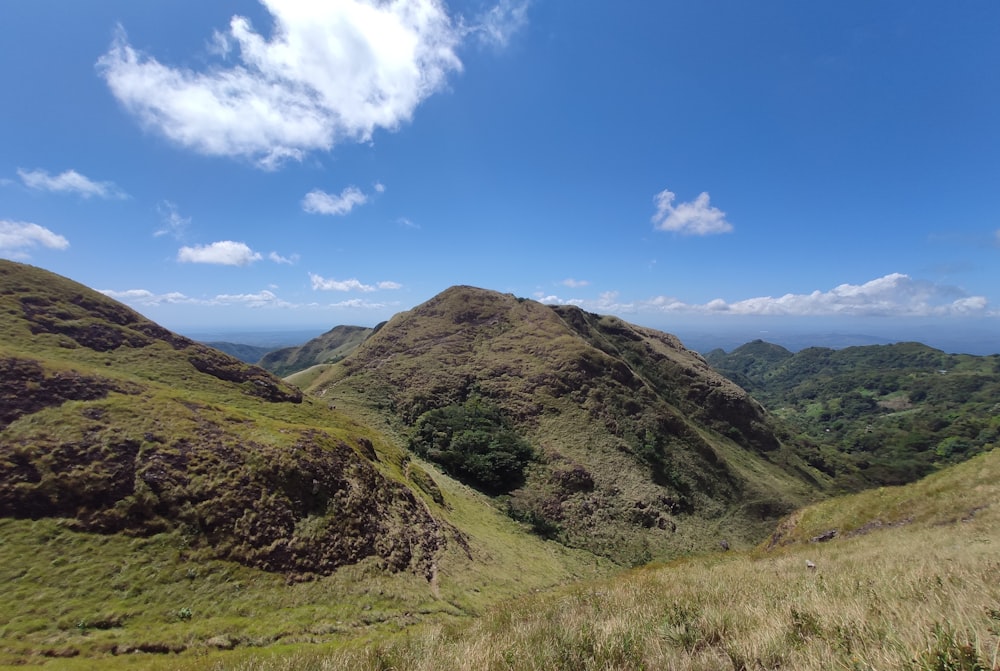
x,y
711,165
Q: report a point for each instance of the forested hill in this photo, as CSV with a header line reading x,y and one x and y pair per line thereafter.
x,y
879,414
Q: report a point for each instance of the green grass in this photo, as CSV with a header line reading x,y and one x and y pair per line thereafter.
x,y
88,594
924,596
679,458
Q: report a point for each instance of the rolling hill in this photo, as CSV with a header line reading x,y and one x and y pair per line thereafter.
x,y
601,434
330,347
164,505
877,414
119,425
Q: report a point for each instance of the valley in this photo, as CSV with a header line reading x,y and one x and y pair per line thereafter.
x,y
484,481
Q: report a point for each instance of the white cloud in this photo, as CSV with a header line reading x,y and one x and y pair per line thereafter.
x,y
69,182
406,223
322,284
144,297
499,23
325,73
695,218
261,299
574,284
173,223
320,202
16,237
225,252
379,187
278,258
895,295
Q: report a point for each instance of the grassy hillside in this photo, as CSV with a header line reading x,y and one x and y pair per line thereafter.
x,y
880,414
637,449
330,347
165,506
245,353
911,585
156,494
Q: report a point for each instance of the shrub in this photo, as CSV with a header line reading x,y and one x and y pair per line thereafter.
x,y
473,442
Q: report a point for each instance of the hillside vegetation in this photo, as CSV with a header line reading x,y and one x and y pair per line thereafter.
x,y
454,493
879,414
911,583
633,447
146,481
330,347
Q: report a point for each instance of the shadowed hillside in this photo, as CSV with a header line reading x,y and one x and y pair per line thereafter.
x,y
607,436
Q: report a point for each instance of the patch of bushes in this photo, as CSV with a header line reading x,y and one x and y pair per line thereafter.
x,y
473,442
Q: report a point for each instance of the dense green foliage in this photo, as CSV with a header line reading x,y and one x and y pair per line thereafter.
x,y
878,414
474,443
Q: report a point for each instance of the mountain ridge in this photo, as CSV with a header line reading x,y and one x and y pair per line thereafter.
x,y
120,425
629,410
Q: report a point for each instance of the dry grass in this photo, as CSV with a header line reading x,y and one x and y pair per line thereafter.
x,y
904,598
920,596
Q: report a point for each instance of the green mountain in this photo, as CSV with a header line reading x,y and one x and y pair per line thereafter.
x,y
467,468
330,347
118,425
601,434
877,414
243,352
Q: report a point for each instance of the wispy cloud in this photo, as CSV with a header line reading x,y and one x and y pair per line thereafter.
x,y
264,299
224,252
69,182
893,295
574,284
278,258
144,297
321,202
697,217
172,222
360,304
261,299
16,237
407,223
499,23
325,73
320,283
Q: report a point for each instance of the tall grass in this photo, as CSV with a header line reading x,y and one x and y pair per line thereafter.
x,y
914,598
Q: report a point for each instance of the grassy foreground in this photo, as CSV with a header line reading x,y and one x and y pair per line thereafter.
x,y
918,592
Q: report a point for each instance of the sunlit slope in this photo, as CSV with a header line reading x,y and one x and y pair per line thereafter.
x,y
912,583
638,448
